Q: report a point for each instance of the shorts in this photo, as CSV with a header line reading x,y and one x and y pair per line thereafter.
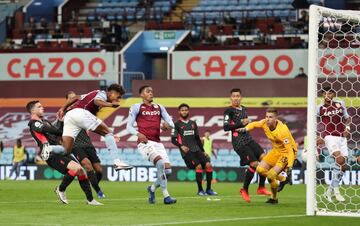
x,y
86,152
250,152
277,158
59,162
193,159
77,119
151,150
336,143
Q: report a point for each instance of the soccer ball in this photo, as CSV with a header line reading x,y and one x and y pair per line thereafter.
x,y
304,155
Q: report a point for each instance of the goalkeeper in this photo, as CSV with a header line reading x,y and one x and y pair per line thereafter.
x,y
284,150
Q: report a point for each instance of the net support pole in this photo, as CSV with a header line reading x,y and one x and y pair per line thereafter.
x,y
311,111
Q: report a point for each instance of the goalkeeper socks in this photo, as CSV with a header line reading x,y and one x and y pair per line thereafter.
x,y
160,166
248,177
337,175
273,185
85,186
111,145
261,181
209,175
67,179
99,176
199,177
93,180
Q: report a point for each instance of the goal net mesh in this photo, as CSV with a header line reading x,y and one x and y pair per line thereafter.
x,y
338,67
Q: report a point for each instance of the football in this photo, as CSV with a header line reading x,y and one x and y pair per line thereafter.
x,y
304,155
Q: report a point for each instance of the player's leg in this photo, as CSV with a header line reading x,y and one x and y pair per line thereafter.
x,y
247,158
162,152
192,163
56,162
259,154
272,176
81,155
206,164
13,169
98,171
338,150
83,181
95,161
103,130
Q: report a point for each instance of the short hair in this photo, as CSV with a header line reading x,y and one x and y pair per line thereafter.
x,y
142,88
327,89
31,104
68,93
117,88
272,110
183,105
235,90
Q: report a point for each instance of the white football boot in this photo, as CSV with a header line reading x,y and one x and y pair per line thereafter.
x,y
120,165
61,195
338,196
94,203
329,194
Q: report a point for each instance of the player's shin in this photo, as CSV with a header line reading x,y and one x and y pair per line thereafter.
x,y
99,176
337,175
111,145
209,176
85,186
199,177
67,179
273,186
160,166
261,181
248,177
272,175
93,180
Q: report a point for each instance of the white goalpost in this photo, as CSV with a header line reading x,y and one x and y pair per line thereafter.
x,y
333,61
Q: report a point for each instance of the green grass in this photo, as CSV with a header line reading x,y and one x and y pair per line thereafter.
x,y
34,203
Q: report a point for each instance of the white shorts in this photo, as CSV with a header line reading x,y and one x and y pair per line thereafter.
x,y
336,143
77,119
151,150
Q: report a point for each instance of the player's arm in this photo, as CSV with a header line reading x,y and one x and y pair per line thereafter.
x,y
197,138
252,125
166,117
40,127
174,140
286,138
347,119
68,103
101,100
227,126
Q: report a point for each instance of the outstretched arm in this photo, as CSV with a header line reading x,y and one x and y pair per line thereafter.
x,y
166,117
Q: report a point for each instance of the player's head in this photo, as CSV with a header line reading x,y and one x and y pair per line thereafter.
x,y
70,94
18,142
328,93
146,92
207,133
271,117
184,110
235,97
35,108
114,92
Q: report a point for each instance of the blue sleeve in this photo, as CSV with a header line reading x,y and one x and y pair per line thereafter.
x,y
166,117
133,112
346,114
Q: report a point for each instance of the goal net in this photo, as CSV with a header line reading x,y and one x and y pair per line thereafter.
x,y
333,188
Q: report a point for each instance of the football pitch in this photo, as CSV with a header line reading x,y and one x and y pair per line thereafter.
x,y
35,203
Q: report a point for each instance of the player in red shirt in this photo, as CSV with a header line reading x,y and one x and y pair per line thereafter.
x,y
82,116
335,121
148,117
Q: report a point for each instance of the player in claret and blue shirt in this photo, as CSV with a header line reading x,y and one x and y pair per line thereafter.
x,y
148,117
